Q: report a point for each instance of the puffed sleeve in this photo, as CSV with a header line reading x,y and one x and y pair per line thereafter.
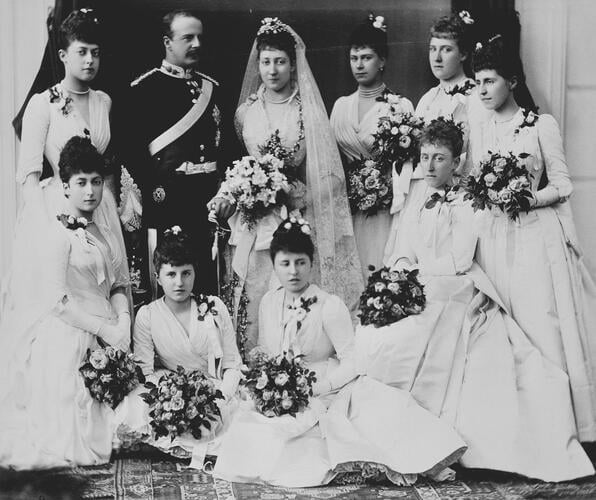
x,y
337,324
463,237
231,356
36,122
559,186
239,118
407,105
143,346
423,104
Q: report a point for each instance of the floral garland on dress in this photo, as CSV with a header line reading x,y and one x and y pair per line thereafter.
x,y
57,98
451,193
529,119
205,306
301,309
463,89
71,222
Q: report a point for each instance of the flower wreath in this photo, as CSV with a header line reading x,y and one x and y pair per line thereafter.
x,y
298,223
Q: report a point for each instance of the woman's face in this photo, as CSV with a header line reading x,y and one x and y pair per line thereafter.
x,y
438,164
275,68
493,89
84,192
445,58
292,270
367,66
177,281
81,60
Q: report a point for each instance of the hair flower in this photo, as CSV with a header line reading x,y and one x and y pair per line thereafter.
x,y
175,230
378,22
478,46
465,16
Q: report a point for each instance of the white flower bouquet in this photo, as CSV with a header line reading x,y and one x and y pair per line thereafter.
x,y
255,185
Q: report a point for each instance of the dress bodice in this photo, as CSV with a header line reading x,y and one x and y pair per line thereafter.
x,y
158,332
257,125
325,332
355,137
459,102
47,126
93,270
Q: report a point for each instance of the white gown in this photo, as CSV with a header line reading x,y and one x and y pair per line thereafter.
x,y
366,421
47,416
468,362
536,263
159,335
355,141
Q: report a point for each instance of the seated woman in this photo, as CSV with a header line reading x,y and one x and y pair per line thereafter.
x,y
464,358
168,330
389,429
48,417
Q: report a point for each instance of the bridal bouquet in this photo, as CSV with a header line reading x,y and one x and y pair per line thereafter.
x,y
397,135
369,187
390,296
110,374
501,181
279,385
274,146
255,185
182,402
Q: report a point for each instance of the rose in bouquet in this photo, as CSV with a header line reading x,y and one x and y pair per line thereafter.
x,y
110,374
279,385
397,136
390,296
369,187
501,181
255,185
182,402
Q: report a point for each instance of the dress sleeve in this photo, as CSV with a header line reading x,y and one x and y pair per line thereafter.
x,y
239,119
36,123
559,186
231,357
407,105
463,239
143,346
404,254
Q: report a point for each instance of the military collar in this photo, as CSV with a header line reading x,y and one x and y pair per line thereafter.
x,y
176,71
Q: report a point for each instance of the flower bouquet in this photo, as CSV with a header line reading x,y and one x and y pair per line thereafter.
x,y
110,374
255,185
390,296
279,385
397,135
273,146
182,402
501,181
369,187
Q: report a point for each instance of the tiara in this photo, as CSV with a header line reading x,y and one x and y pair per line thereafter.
x,y
378,22
175,230
466,18
295,223
272,25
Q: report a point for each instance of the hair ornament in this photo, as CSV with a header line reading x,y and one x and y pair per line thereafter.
x,y
493,38
175,230
478,46
88,12
297,223
466,18
378,22
272,25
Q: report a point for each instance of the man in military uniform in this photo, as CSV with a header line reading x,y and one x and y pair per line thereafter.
x,y
173,137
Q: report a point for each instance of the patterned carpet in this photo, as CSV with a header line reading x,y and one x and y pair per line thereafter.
x,y
155,477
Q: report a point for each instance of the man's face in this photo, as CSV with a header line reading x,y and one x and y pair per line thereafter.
x,y
182,49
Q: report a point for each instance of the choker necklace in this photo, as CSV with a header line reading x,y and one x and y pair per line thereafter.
x,y
284,100
370,93
78,92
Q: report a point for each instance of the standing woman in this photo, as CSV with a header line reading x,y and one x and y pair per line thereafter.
x,y
354,120
280,96
535,263
69,108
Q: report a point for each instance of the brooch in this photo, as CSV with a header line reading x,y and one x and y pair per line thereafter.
x,y
159,194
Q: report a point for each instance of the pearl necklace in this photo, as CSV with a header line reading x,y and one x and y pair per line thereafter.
x,y
371,93
78,92
271,101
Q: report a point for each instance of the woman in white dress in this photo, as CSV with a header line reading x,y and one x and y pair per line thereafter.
x,y
67,109
449,51
464,358
354,120
47,415
169,331
279,94
536,263
368,423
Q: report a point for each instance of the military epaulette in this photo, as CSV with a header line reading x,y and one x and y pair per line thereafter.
x,y
143,76
207,77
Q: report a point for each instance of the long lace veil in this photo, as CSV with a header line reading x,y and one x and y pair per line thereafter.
x,y
337,265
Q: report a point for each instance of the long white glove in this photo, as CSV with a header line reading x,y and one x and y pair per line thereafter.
x,y
230,381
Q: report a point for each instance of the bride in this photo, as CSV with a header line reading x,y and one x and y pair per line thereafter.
x,y
47,416
280,98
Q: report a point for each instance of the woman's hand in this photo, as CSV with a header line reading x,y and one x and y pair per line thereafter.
x,y
222,207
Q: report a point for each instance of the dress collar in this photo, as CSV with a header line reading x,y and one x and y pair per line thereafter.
x,y
177,71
